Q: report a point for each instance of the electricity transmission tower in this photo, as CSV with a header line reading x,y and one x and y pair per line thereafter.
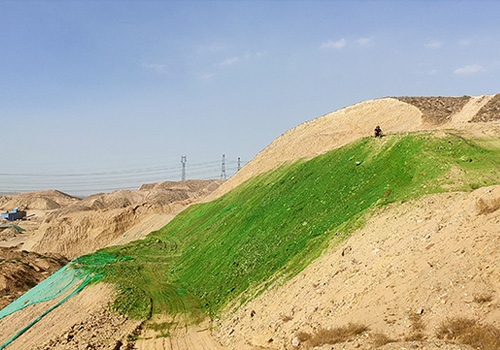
x,y
223,168
183,162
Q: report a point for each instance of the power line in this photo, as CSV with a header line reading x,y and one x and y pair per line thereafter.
x,y
106,181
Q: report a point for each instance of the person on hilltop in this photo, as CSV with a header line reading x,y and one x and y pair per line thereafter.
x,y
378,131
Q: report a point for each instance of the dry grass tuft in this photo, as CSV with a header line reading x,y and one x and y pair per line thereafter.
x,y
470,332
417,327
483,298
380,339
487,207
334,335
303,336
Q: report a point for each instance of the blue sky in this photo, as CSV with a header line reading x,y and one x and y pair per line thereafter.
x,y
100,95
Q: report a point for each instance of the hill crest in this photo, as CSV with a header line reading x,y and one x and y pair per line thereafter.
x,y
398,114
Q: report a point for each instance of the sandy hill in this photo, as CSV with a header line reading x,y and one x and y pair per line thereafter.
x,y
64,227
401,277
476,115
42,200
97,221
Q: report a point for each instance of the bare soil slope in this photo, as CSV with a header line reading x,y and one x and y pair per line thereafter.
x,y
336,129
413,266
22,270
425,260
100,220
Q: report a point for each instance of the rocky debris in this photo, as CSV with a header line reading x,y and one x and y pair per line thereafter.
x,y
437,110
489,112
101,330
22,270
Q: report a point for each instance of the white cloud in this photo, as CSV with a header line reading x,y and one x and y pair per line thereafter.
x,y
237,59
434,44
230,61
363,42
160,68
468,70
334,44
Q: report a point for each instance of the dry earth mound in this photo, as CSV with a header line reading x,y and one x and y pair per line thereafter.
x,y
100,220
412,270
328,132
437,110
22,270
43,200
489,112
8,233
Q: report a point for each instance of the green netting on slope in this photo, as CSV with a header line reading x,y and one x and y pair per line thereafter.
x,y
83,268
19,229
89,279
76,275
50,288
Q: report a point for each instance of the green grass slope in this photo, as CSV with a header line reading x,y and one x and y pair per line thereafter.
x,y
268,229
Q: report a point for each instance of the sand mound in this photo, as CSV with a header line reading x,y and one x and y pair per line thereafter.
x,y
21,270
490,112
8,233
104,219
336,129
437,110
43,200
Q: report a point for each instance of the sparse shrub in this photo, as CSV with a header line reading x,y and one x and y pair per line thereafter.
x,y
415,336
335,335
380,339
470,332
303,336
416,321
417,327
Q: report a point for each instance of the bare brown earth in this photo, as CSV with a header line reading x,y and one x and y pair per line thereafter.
x,y
411,268
22,270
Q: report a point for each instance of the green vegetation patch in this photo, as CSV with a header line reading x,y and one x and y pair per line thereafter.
x,y
269,228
